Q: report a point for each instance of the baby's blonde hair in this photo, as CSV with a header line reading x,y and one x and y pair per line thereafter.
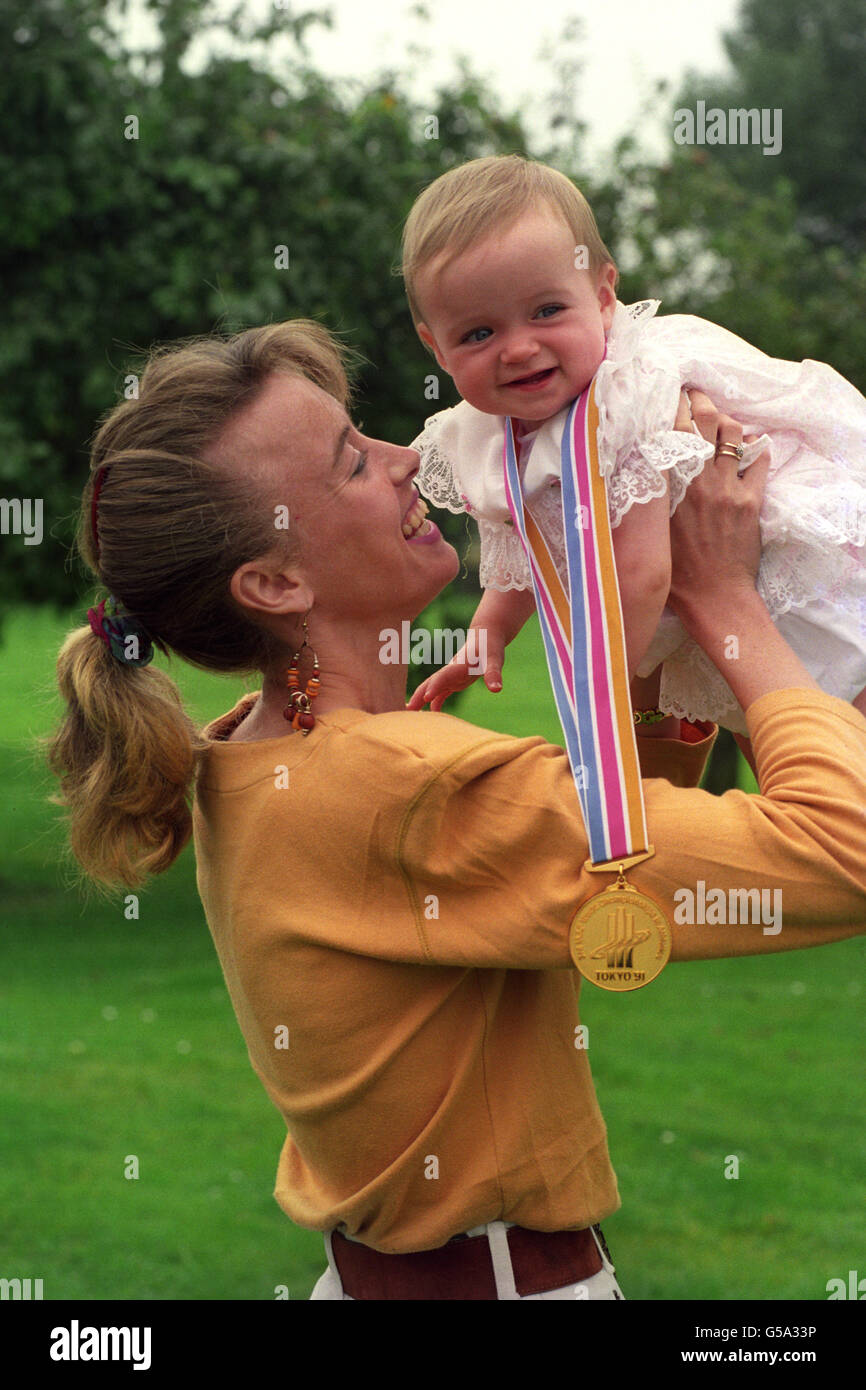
x,y
485,195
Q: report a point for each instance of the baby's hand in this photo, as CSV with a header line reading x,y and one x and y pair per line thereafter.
x,y
463,669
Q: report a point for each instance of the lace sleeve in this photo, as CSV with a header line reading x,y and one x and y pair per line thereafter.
x,y
435,479
504,565
640,473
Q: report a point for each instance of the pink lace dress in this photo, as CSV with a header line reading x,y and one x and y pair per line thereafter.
x,y
813,521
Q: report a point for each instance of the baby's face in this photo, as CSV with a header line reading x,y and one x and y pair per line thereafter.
x,y
517,326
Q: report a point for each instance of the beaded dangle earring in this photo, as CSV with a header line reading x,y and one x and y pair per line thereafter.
x,y
298,710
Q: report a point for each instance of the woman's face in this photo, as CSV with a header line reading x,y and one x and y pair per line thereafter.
x,y
347,497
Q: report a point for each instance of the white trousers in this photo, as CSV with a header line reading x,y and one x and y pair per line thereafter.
x,y
600,1286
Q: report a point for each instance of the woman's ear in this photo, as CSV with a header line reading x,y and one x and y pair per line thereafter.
x,y
273,592
430,343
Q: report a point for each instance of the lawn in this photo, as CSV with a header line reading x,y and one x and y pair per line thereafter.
x,y
119,1052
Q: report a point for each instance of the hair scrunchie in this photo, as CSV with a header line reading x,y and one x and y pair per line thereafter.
x,y
116,629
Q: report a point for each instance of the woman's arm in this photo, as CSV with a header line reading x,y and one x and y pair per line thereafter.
x,y
716,550
516,838
491,847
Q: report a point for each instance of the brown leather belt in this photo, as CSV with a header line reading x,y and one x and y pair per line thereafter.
x,y
463,1269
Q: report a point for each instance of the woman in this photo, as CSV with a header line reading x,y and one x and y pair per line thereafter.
x,y
390,892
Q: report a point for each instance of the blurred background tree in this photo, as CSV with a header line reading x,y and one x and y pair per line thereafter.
x,y
117,233
809,62
770,246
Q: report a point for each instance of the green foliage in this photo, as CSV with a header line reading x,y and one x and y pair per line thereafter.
x,y
807,61
770,246
113,243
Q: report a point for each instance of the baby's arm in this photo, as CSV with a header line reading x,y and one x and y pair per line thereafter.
x,y
497,621
642,549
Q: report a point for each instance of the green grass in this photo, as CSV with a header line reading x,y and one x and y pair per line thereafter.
x,y
117,1039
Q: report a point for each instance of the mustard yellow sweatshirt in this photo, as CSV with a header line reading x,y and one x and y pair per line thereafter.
x,y
390,899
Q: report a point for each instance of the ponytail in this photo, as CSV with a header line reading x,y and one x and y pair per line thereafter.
x,y
125,754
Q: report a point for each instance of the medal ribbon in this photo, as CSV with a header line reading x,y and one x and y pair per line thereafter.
x,y
584,639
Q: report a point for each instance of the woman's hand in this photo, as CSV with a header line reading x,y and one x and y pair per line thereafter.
x,y
715,535
715,552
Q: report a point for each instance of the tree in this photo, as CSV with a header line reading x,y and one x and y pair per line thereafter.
x,y
770,246
142,202
806,61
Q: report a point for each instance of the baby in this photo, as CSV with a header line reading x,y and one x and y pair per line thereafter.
x,y
512,289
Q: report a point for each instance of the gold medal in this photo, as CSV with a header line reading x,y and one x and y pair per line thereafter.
x,y
620,939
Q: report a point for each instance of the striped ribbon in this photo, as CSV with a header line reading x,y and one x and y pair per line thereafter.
x,y
584,640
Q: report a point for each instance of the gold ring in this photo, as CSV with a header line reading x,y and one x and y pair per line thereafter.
x,y
734,451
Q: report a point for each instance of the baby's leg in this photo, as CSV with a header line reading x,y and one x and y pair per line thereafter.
x,y
642,548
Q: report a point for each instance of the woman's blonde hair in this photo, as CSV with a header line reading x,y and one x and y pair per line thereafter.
x,y
172,529
466,204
